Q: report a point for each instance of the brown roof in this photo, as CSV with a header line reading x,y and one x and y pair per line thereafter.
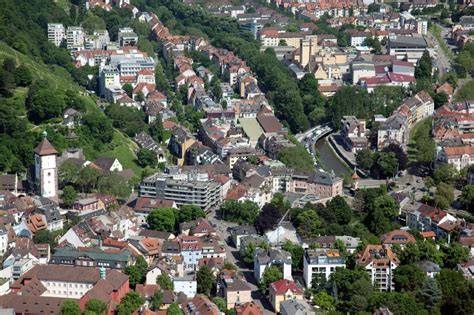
x,y
249,308
458,151
27,304
147,291
397,237
269,123
379,254
45,148
201,305
149,204
467,241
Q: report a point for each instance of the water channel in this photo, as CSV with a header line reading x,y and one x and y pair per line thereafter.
x,y
328,159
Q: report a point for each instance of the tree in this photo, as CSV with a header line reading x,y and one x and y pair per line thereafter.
x,y
146,157
96,306
399,153
220,303
341,210
457,294
270,275
157,300
324,300
162,219
7,83
128,88
174,309
205,280
467,197
296,252
129,303
242,212
134,275
46,104
189,213
424,68
268,217
408,278
157,131
69,196
385,165
70,308
249,253
454,254
430,293
365,159
23,76
9,64
165,281
445,173
445,190
440,99
98,128
45,237
87,178
307,223
114,185
382,214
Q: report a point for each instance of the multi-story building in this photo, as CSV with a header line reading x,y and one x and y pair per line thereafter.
x,y
324,185
266,258
127,37
75,38
3,239
459,157
353,134
233,287
42,284
380,263
407,48
56,33
392,130
321,261
184,189
92,257
46,171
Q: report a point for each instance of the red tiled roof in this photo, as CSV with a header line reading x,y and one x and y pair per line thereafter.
x,y
282,286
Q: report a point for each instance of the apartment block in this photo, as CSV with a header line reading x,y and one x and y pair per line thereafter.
x,y
75,38
321,261
56,33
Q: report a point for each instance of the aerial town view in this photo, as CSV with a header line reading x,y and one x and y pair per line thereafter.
x,y
237,157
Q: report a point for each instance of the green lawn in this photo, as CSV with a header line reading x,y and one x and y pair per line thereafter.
x,y
124,152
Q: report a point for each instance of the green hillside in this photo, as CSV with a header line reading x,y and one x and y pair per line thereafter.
x,y
59,79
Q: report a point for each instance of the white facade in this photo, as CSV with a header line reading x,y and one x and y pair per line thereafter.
x,y
321,261
187,285
75,38
422,27
3,241
382,276
66,289
56,33
46,173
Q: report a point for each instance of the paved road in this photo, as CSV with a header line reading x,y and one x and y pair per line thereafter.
x,y
442,61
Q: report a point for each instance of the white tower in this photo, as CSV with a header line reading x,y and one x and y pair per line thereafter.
x,y
46,172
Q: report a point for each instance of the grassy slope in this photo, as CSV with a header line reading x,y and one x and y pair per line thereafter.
x,y
59,78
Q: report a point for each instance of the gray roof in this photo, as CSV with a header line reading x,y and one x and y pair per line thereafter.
x,y
428,266
296,307
408,42
243,230
265,257
92,253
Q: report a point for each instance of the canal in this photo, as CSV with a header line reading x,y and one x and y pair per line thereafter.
x,y
328,159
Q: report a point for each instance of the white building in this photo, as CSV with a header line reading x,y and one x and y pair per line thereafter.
x,y
380,263
75,38
187,285
321,261
56,33
459,157
46,172
422,27
3,239
266,258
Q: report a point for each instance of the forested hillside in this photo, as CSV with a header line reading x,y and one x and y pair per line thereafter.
x,y
38,82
